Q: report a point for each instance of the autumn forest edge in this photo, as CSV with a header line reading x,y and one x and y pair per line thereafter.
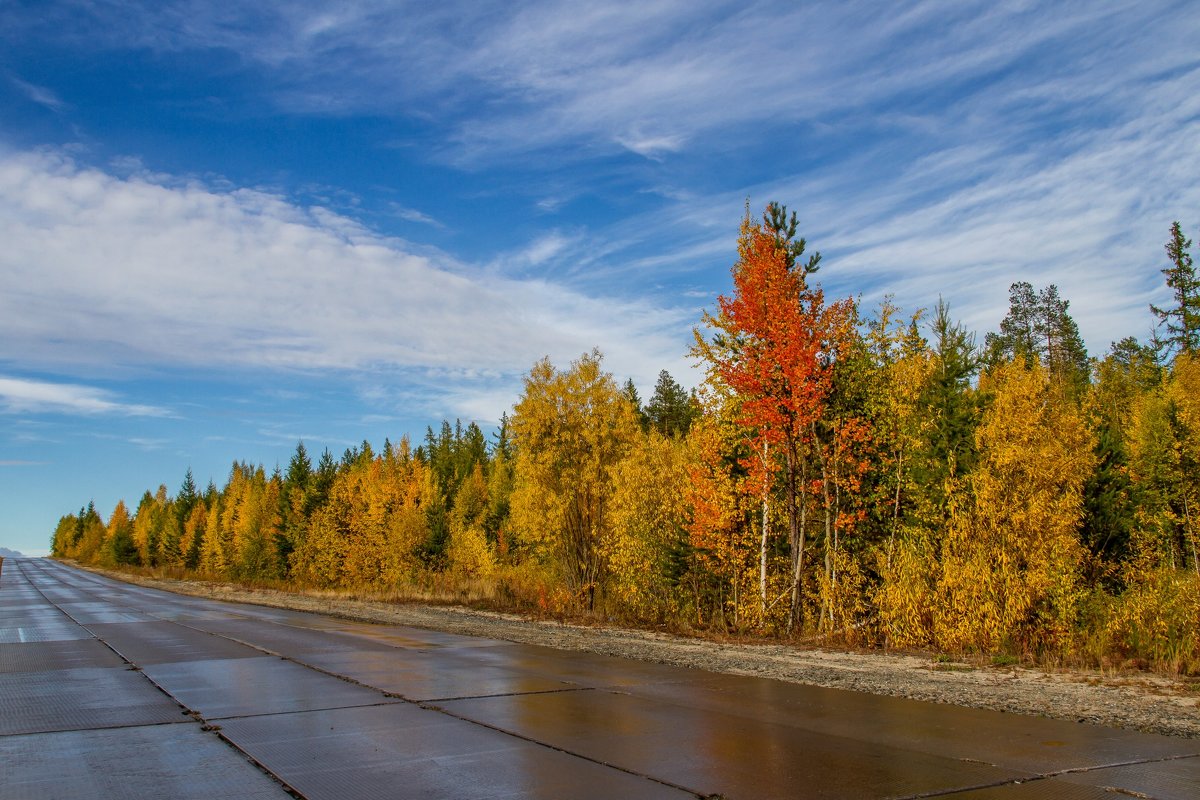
x,y
873,477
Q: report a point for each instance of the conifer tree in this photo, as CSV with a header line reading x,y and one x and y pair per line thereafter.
x,y
631,393
1038,326
119,541
1182,321
951,405
670,409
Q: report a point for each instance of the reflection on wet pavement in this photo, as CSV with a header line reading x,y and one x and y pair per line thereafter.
x,y
108,690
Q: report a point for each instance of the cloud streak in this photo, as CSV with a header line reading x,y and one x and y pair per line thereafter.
x,y
40,95
25,396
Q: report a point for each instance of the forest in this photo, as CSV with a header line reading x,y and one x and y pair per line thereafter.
x,y
860,477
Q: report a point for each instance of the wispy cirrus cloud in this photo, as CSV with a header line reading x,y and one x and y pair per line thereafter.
x,y
25,396
413,215
651,77
40,95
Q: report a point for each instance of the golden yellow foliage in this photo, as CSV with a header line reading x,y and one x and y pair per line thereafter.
x,y
843,591
193,534
907,591
643,545
215,544
469,553
1158,619
570,430
1011,564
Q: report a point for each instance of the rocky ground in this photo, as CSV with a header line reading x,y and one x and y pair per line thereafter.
x,y
1138,701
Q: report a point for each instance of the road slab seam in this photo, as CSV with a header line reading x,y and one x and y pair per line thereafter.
x,y
205,725
1048,775
215,729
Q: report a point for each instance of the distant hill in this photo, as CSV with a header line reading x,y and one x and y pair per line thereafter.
x,y
6,553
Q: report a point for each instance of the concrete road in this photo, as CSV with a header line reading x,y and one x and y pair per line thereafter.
x,y
110,690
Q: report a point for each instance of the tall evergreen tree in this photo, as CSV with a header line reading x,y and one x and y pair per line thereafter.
x,y
186,500
951,405
1060,344
1018,335
1038,326
1108,506
299,471
631,393
1182,321
783,228
322,483
503,436
670,409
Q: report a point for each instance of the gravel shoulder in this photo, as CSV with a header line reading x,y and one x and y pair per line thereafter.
x,y
1136,701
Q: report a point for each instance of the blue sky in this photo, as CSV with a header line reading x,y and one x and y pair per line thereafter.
x,y
225,229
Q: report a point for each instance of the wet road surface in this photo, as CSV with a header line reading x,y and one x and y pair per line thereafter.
x,y
110,690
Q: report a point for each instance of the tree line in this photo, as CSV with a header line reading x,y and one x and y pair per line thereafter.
x,y
875,478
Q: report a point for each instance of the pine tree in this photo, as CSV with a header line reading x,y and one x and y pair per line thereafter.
x,y
1061,345
775,220
670,410
1018,335
1038,326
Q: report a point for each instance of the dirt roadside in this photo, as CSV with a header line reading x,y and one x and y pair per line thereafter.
x,y
1144,702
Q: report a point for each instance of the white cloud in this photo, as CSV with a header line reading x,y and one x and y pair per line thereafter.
x,y
652,146
966,145
545,248
655,76
146,272
21,396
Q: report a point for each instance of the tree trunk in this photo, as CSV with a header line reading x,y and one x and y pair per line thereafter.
x,y
762,545
797,551
828,503
896,505
1187,515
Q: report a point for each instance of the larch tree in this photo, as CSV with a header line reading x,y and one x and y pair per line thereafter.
x,y
1012,560
193,535
903,425
570,429
646,546
146,527
469,553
